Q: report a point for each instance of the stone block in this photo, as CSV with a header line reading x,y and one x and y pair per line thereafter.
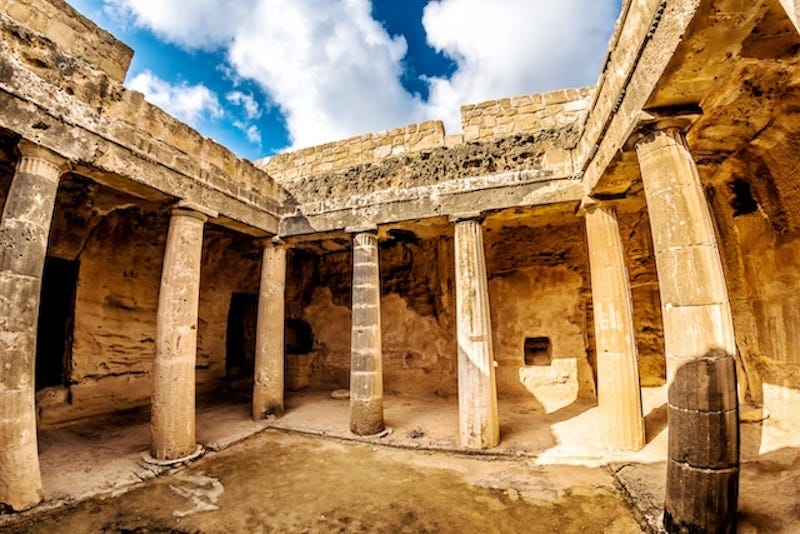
x,y
704,439
691,276
706,384
699,500
692,331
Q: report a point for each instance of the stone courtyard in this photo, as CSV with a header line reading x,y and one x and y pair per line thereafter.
x,y
583,308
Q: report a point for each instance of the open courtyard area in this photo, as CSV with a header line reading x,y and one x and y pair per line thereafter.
x,y
574,307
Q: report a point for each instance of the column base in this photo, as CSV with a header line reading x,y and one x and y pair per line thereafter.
x,y
366,417
151,460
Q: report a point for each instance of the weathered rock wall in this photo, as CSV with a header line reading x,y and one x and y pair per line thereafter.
x,y
116,306
538,287
74,33
640,261
496,119
757,214
231,264
416,314
61,98
530,133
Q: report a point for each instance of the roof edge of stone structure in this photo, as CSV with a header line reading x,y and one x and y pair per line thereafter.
x,y
76,109
73,33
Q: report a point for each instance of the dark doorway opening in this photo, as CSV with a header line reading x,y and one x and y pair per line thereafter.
x,y
299,338
54,332
241,337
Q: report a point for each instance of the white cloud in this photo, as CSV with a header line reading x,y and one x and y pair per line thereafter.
x,y
187,102
329,66
253,134
251,108
202,24
334,71
513,47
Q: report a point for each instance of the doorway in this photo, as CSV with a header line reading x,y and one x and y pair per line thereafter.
x,y
241,336
54,333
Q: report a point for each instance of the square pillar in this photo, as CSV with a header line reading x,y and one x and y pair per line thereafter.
x,y
703,463
172,424
24,231
619,395
366,353
268,375
479,426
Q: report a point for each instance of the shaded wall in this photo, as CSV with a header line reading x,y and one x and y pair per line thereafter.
x,y
538,287
116,306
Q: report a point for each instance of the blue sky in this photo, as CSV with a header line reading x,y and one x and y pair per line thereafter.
x,y
264,76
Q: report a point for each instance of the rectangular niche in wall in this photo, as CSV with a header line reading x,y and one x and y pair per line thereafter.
x,y
537,351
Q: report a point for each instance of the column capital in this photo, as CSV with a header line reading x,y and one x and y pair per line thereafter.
x,y
33,151
590,204
273,241
363,229
673,121
466,216
192,209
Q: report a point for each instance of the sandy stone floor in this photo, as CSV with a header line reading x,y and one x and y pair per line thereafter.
x,y
545,461
281,482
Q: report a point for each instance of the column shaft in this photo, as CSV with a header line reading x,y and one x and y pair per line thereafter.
x,y
703,465
618,392
268,387
24,231
477,390
172,424
366,365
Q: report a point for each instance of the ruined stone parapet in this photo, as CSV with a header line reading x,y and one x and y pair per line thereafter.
x,y
418,172
72,33
495,119
340,156
79,111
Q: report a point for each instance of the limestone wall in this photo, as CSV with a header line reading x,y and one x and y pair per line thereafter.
x,y
86,115
640,261
532,135
756,208
339,156
417,286
538,287
73,33
540,111
116,306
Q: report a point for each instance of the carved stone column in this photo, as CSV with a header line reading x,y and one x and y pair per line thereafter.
x,y
172,424
268,386
366,354
477,390
703,465
618,394
24,231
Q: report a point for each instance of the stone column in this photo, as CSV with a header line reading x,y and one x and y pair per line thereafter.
x,y
703,465
366,354
618,394
24,231
268,386
172,424
477,391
